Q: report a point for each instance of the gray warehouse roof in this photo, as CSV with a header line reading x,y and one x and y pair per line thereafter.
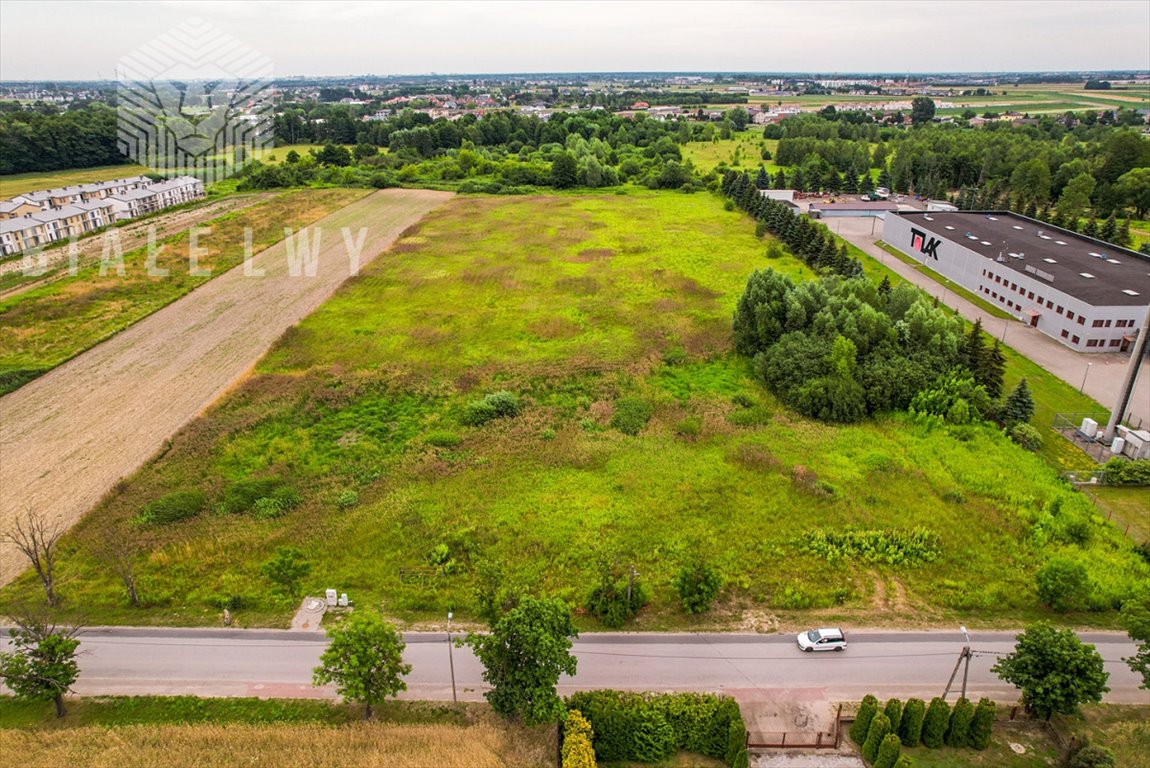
x,y
1091,270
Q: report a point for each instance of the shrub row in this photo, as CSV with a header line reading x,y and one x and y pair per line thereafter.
x,y
263,497
647,728
935,726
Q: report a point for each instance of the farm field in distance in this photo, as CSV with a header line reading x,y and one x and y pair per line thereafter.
x,y
17,183
588,308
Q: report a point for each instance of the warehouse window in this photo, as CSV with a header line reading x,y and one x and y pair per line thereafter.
x,y
1081,320
1096,324
1074,339
1115,342
1092,342
1065,333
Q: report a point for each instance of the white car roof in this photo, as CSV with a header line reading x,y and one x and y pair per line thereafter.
x,y
829,631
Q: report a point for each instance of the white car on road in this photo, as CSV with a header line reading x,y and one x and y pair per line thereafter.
x,y
824,639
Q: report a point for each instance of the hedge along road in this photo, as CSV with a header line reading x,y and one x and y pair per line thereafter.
x,y
69,436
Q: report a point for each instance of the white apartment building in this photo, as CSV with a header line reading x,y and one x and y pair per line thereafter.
x,y
1086,293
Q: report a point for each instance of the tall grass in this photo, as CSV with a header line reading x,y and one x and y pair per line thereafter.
x,y
577,303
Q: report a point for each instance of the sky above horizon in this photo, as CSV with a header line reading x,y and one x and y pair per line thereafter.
x,y
85,40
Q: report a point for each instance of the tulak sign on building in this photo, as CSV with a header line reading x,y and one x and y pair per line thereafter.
x,y
919,240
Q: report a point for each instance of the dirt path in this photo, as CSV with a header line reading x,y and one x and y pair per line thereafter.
x,y
67,437
133,235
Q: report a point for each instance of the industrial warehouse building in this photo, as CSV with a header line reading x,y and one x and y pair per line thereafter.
x,y
1087,294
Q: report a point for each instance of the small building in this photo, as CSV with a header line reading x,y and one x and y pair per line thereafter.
x,y
867,208
1088,294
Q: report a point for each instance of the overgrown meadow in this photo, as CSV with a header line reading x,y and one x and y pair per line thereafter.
x,y
601,315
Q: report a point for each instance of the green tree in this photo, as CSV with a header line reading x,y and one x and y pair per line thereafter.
x,y
364,659
697,584
1136,619
564,171
1075,197
958,732
879,729
992,370
286,568
973,350
867,710
1054,670
921,110
523,657
982,726
910,728
1063,584
893,712
1019,405
1031,181
935,723
1134,187
42,663
1109,229
888,752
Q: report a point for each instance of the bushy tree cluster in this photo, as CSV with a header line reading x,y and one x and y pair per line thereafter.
x,y
810,241
839,349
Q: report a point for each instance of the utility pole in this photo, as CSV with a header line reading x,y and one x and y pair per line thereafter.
x,y
451,659
963,655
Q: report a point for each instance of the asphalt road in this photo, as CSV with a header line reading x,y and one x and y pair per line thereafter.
x,y
276,663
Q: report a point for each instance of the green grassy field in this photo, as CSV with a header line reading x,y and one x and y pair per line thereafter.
x,y
574,303
742,151
16,183
47,325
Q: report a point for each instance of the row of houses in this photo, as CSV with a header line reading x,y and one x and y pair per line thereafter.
x,y
40,218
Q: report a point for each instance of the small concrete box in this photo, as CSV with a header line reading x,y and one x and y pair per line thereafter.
x,y
331,598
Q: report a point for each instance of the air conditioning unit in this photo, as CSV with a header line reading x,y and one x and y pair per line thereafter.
x,y
1118,446
1089,428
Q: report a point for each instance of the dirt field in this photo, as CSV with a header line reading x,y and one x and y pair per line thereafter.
x,y
69,436
133,235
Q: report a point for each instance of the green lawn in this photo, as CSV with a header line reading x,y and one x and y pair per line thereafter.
x,y
1128,508
742,151
574,303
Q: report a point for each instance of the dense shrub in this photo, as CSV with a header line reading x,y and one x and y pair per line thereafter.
x,y
982,726
1126,472
172,507
442,439
910,729
495,405
1026,436
242,496
867,710
577,751
697,584
1092,757
1063,585
879,729
610,602
890,547
631,415
935,723
904,761
651,727
889,752
958,732
893,712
